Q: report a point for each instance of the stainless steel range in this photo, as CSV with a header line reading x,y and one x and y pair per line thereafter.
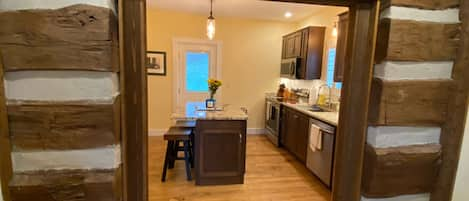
x,y
272,119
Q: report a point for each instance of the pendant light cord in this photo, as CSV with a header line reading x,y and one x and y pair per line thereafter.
x,y
211,7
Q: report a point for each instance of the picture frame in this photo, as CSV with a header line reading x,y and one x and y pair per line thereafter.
x,y
156,63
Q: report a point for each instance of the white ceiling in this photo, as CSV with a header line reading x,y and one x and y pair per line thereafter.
x,y
255,9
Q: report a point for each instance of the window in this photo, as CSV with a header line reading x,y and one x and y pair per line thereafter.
x,y
330,69
197,71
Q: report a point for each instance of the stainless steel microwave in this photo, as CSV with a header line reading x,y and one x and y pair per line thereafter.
x,y
289,67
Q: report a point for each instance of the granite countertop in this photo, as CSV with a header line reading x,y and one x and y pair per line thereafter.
x,y
228,113
328,117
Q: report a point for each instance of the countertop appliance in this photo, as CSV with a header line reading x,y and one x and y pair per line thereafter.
x,y
320,162
289,67
272,119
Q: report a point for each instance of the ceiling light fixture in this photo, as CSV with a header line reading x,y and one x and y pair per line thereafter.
x,y
288,14
334,30
211,23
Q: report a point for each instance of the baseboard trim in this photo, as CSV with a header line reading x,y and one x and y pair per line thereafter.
x,y
251,131
256,131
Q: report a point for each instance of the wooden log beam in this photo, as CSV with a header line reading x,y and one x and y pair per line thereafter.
x,y
406,40
423,4
5,147
409,102
389,172
60,39
67,185
37,125
453,130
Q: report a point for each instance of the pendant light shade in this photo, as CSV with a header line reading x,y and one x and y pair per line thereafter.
x,y
334,30
211,23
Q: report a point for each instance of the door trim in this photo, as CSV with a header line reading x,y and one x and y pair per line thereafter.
x,y
177,42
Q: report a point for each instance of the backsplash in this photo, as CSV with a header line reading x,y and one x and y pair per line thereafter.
x,y
313,85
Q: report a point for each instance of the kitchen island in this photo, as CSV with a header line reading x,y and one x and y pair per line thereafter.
x,y
220,145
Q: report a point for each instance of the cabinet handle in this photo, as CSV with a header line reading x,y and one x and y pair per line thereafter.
x,y
240,138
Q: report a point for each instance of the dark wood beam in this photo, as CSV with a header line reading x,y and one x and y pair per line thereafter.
x,y
407,40
353,124
67,185
78,37
134,99
5,147
453,130
409,102
395,171
41,125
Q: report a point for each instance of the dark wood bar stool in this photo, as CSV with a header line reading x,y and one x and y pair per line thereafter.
x,y
191,125
174,136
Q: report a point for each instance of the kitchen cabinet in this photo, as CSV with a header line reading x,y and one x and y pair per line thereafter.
x,y
292,45
294,132
308,45
220,150
342,28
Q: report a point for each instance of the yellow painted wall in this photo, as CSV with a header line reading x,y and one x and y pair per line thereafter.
x,y
462,178
251,56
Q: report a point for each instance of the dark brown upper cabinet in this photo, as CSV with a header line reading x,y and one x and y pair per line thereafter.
x,y
308,45
342,28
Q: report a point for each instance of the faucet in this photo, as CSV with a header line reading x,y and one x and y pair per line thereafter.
x,y
328,103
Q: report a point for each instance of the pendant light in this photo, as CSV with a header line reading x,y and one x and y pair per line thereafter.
x,y
211,23
334,30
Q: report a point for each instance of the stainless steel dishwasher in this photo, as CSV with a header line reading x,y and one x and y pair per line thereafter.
x,y
320,162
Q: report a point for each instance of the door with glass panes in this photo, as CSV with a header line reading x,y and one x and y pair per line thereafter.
x,y
196,63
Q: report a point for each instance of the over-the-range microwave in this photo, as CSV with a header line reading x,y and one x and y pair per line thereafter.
x,y
289,67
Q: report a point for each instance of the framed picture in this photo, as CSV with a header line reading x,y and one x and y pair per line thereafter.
x,y
156,63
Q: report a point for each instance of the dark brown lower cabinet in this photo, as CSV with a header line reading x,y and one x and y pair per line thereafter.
x,y
220,152
294,133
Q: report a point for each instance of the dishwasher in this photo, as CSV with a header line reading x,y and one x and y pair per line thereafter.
x,y
320,161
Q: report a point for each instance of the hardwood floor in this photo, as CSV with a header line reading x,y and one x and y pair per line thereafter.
x,y
271,175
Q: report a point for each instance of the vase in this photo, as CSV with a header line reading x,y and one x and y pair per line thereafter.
x,y
210,103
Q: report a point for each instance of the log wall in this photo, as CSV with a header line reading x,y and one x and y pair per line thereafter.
x,y
415,53
62,101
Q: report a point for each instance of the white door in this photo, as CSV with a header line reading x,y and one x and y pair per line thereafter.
x,y
196,62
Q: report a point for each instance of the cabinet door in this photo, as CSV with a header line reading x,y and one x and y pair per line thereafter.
x,y
220,150
302,137
290,138
342,29
297,44
292,45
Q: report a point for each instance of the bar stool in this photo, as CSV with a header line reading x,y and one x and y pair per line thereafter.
x,y
191,125
174,136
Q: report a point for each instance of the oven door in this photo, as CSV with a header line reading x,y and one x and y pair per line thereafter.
x,y
273,122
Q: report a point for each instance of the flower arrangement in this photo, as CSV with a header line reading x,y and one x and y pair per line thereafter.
x,y
213,85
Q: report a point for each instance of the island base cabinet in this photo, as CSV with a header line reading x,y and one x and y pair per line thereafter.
x,y
220,152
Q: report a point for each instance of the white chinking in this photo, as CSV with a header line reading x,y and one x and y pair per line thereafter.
x,y
11,5
394,70
101,158
450,16
416,197
395,136
61,86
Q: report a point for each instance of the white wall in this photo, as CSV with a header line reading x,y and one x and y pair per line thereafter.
x,y
462,178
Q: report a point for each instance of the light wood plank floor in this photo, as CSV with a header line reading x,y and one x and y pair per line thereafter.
x,y
271,175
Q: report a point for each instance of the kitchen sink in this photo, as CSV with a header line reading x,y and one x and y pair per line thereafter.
x,y
315,108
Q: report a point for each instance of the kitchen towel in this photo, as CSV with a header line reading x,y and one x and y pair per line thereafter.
x,y
315,138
